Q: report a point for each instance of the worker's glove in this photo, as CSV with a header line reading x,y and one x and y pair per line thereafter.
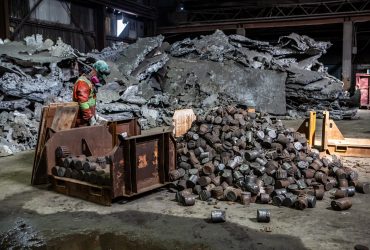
x,y
100,120
92,121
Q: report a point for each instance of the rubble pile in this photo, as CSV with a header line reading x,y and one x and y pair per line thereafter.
x,y
232,154
150,79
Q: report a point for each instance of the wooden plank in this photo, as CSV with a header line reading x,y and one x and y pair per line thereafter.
x,y
64,118
182,121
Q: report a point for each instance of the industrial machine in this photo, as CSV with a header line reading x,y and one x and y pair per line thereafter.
x,y
100,163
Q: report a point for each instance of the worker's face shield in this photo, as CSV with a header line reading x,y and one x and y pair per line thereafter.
x,y
102,75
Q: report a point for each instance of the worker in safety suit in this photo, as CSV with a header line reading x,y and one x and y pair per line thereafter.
x,y
84,92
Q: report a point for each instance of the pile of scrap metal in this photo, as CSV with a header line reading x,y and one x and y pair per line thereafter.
x,y
150,79
235,155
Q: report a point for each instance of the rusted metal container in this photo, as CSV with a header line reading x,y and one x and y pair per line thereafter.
x,y
363,187
321,177
301,203
341,204
218,216
311,201
264,198
343,183
204,195
189,201
281,174
351,191
251,155
245,198
204,181
263,215
282,183
340,173
277,200
192,181
341,193
319,194
217,192
232,194
289,200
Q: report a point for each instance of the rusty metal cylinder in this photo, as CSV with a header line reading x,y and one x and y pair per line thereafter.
x,y
321,177
261,161
177,174
189,201
341,193
263,215
238,176
311,201
244,169
341,204
277,200
208,168
264,198
232,194
343,183
204,181
340,173
218,216
217,192
301,184
251,155
245,198
351,191
252,187
62,152
363,187
309,173
204,195
289,200
282,183
197,189
301,203
227,177
192,181
319,194
281,174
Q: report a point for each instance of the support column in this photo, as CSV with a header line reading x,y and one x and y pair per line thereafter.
x,y
347,54
100,27
4,19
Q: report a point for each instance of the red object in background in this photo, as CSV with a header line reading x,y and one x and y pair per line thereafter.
x,y
363,83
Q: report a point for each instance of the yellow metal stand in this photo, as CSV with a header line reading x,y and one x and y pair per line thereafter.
x,y
332,140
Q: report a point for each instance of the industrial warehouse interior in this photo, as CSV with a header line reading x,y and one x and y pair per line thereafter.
x,y
184,124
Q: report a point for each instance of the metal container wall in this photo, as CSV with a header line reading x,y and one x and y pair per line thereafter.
x,y
363,83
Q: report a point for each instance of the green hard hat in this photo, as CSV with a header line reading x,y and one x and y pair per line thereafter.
x,y
101,67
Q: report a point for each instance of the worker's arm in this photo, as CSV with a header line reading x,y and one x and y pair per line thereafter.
x,y
82,93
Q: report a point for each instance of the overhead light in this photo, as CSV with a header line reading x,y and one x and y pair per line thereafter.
x,y
180,7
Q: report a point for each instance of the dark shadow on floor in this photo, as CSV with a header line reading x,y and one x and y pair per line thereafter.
x,y
138,230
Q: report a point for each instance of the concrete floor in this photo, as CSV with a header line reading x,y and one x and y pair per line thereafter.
x,y
156,221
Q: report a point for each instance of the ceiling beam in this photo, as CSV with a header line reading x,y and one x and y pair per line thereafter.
x,y
265,23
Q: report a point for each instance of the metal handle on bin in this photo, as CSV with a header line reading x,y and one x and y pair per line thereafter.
x,y
342,149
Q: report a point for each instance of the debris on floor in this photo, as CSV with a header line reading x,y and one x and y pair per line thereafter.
x,y
22,236
232,154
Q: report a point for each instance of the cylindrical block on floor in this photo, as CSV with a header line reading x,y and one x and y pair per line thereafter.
x,y
218,216
341,204
363,187
263,215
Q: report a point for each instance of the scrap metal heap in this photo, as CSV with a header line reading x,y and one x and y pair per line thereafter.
x,y
151,79
232,154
